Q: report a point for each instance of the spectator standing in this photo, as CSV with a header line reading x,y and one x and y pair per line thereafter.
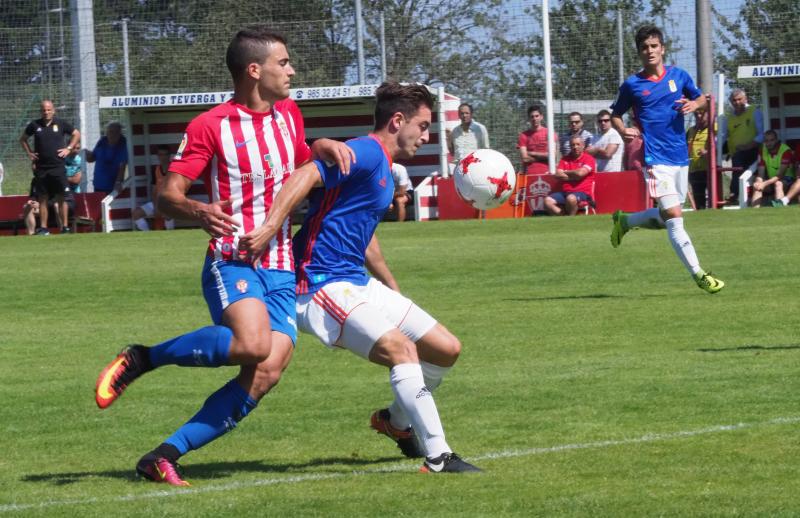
x,y
744,134
532,143
775,169
403,191
467,136
607,146
148,210
48,158
575,121
697,141
111,155
576,171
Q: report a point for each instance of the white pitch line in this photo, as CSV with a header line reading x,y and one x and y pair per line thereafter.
x,y
398,467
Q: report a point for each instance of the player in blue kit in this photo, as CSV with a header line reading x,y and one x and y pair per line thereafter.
x,y
660,96
340,304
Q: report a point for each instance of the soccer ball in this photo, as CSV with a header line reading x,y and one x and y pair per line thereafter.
x,y
485,179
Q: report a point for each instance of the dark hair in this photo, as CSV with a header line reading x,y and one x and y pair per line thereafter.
x,y
392,97
535,108
574,114
163,147
250,45
772,132
603,112
468,105
648,31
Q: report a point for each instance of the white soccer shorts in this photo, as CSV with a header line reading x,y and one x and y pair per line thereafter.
x,y
354,317
667,183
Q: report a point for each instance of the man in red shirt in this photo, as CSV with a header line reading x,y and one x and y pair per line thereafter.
x,y
244,150
576,171
532,143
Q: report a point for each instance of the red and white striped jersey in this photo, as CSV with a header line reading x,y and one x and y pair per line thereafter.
x,y
245,157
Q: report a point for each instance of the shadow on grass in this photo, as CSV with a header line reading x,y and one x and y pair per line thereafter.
x,y
566,297
213,470
750,348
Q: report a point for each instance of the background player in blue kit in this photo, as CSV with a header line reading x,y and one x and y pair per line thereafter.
x,y
339,303
660,97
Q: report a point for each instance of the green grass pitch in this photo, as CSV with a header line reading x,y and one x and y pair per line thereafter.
x,y
593,381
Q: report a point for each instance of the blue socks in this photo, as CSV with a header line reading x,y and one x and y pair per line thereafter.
x,y
220,413
205,347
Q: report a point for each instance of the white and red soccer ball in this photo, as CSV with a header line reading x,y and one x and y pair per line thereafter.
x,y
485,179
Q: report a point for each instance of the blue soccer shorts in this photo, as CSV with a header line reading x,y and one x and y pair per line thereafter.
x,y
225,282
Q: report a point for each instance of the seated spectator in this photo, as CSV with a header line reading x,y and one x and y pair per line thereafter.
x,y
403,191
74,175
607,146
775,169
148,210
697,141
111,155
794,190
576,171
532,143
575,120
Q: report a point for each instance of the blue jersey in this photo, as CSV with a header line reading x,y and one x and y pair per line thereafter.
x,y
657,114
332,243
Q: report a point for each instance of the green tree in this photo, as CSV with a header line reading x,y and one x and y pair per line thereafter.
x,y
458,44
762,33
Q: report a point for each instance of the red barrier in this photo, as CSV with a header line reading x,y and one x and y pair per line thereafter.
x,y
623,190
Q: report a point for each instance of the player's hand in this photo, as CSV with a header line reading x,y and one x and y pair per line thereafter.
x,y
215,221
630,134
253,244
686,106
336,152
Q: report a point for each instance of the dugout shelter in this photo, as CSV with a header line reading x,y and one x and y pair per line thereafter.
x,y
337,112
780,106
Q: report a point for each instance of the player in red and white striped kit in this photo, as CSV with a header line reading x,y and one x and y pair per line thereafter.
x,y
243,150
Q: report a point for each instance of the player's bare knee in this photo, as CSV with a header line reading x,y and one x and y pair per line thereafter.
x,y
394,349
250,348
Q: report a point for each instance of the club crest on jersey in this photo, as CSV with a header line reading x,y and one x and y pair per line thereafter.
x,y
55,128
241,285
284,128
672,86
181,147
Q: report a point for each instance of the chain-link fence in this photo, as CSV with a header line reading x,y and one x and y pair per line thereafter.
x,y
488,52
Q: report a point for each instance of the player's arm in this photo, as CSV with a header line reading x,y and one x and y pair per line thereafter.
x,y
292,193
74,139
172,202
23,141
376,264
627,134
334,151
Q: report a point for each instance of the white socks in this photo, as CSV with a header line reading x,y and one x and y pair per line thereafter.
x,y
141,224
417,403
682,244
432,375
650,218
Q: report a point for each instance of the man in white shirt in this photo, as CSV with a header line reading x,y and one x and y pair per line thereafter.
x,y
606,147
468,136
403,191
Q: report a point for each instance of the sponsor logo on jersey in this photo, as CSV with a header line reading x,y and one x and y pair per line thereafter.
x,y
382,183
181,148
241,285
237,145
645,92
